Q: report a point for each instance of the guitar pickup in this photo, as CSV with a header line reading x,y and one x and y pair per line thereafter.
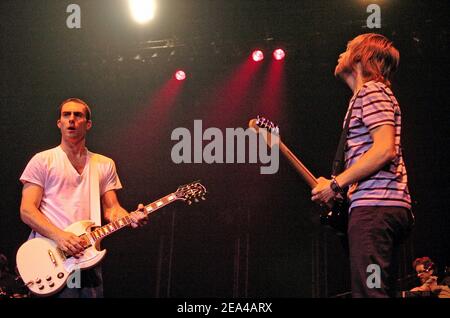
x,y
52,257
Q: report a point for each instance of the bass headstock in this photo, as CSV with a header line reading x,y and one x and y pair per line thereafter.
x,y
264,123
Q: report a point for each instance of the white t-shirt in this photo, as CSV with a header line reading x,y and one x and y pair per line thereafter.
x,y
66,196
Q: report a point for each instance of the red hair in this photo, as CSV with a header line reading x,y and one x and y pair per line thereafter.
x,y
378,57
425,261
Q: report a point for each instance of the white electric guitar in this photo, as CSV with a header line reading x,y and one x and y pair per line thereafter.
x,y
45,268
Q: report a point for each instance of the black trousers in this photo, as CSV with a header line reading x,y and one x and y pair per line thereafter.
x,y
375,235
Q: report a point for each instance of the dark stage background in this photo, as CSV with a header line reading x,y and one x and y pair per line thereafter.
x,y
256,235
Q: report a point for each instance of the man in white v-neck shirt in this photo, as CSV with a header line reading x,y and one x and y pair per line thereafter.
x,y
57,188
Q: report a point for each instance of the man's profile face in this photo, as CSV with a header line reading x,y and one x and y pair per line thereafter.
x,y
423,273
344,66
72,121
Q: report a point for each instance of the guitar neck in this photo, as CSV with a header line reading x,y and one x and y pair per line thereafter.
x,y
298,165
116,225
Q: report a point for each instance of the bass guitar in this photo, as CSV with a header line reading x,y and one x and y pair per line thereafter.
x,y
335,215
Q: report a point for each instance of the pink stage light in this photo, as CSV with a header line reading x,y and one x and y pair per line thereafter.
x,y
257,56
279,54
180,75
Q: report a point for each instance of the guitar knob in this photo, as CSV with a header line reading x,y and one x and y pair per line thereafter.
x,y
38,280
49,278
52,284
41,287
60,275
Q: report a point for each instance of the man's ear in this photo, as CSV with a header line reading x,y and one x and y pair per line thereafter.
x,y
58,123
89,124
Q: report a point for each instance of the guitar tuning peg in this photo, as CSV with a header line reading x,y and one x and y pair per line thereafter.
x,y
196,200
189,202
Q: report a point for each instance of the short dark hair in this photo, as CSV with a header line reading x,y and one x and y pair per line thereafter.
x,y
79,101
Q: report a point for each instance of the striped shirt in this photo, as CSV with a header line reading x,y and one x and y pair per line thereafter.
x,y
375,105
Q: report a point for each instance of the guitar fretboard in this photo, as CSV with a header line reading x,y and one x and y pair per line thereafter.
x,y
116,225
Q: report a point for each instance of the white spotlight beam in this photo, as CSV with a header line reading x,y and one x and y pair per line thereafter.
x,y
142,10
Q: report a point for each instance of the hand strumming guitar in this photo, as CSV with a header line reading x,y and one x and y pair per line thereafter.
x,y
69,243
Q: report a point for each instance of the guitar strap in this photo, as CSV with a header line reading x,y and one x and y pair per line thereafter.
x,y
94,191
338,162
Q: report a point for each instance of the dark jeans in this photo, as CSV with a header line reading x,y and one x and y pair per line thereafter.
x,y
91,285
375,234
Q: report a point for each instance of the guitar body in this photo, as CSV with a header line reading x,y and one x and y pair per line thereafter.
x,y
45,269
336,217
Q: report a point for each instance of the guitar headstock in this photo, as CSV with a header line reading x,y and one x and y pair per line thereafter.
x,y
262,122
191,192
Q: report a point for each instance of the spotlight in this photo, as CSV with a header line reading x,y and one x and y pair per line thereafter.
x,y
257,56
180,75
278,54
142,10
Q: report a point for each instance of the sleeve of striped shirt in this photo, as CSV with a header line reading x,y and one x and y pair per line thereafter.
x,y
377,107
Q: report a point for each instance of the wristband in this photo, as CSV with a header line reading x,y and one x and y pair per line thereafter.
x,y
334,185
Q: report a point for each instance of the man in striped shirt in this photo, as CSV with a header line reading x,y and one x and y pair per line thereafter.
x,y
380,205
